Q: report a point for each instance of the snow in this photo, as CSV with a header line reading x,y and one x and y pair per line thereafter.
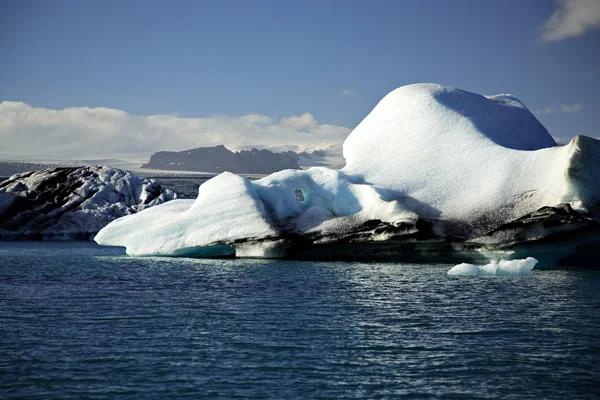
x,y
496,268
327,195
461,154
463,162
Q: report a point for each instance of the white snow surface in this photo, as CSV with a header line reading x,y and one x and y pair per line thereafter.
x,y
327,198
496,268
459,154
425,151
227,209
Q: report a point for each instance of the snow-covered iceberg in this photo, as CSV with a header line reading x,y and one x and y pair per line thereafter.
x,y
431,170
70,203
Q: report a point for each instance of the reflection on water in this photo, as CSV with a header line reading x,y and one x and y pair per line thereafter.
x,y
83,321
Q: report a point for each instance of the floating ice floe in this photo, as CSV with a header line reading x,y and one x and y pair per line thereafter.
x,y
430,171
496,268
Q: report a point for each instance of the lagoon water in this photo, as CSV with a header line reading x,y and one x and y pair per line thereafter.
x,y
81,321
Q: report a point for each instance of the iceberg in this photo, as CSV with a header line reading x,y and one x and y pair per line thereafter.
x,y
496,268
466,157
195,227
72,203
432,171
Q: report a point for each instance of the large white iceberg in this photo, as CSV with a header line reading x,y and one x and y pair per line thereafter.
x,y
430,168
462,155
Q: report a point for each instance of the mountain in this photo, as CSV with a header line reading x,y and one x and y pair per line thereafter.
x,y
220,159
433,174
329,156
69,203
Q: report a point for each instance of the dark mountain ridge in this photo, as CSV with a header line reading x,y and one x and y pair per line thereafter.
x,y
220,159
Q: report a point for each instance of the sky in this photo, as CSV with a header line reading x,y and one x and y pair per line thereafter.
x,y
122,78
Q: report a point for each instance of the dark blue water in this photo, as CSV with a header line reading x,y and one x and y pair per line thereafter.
x,y
80,321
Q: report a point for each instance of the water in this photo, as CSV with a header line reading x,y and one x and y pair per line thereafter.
x,y
186,184
80,321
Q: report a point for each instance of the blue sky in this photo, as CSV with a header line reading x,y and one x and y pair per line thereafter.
x,y
286,58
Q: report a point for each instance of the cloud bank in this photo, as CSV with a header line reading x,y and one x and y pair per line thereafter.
x,y
79,132
572,18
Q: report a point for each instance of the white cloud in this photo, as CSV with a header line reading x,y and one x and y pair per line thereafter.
x,y
305,121
348,92
83,132
572,18
572,108
591,73
545,111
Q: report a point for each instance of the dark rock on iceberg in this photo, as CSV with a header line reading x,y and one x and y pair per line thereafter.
x,y
548,224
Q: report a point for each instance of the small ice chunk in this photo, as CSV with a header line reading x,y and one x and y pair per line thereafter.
x,y
465,269
496,268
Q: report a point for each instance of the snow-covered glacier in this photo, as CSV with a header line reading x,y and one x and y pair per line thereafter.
x,y
72,203
431,172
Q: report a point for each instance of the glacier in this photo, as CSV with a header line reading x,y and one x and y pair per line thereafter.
x,y
430,173
72,203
